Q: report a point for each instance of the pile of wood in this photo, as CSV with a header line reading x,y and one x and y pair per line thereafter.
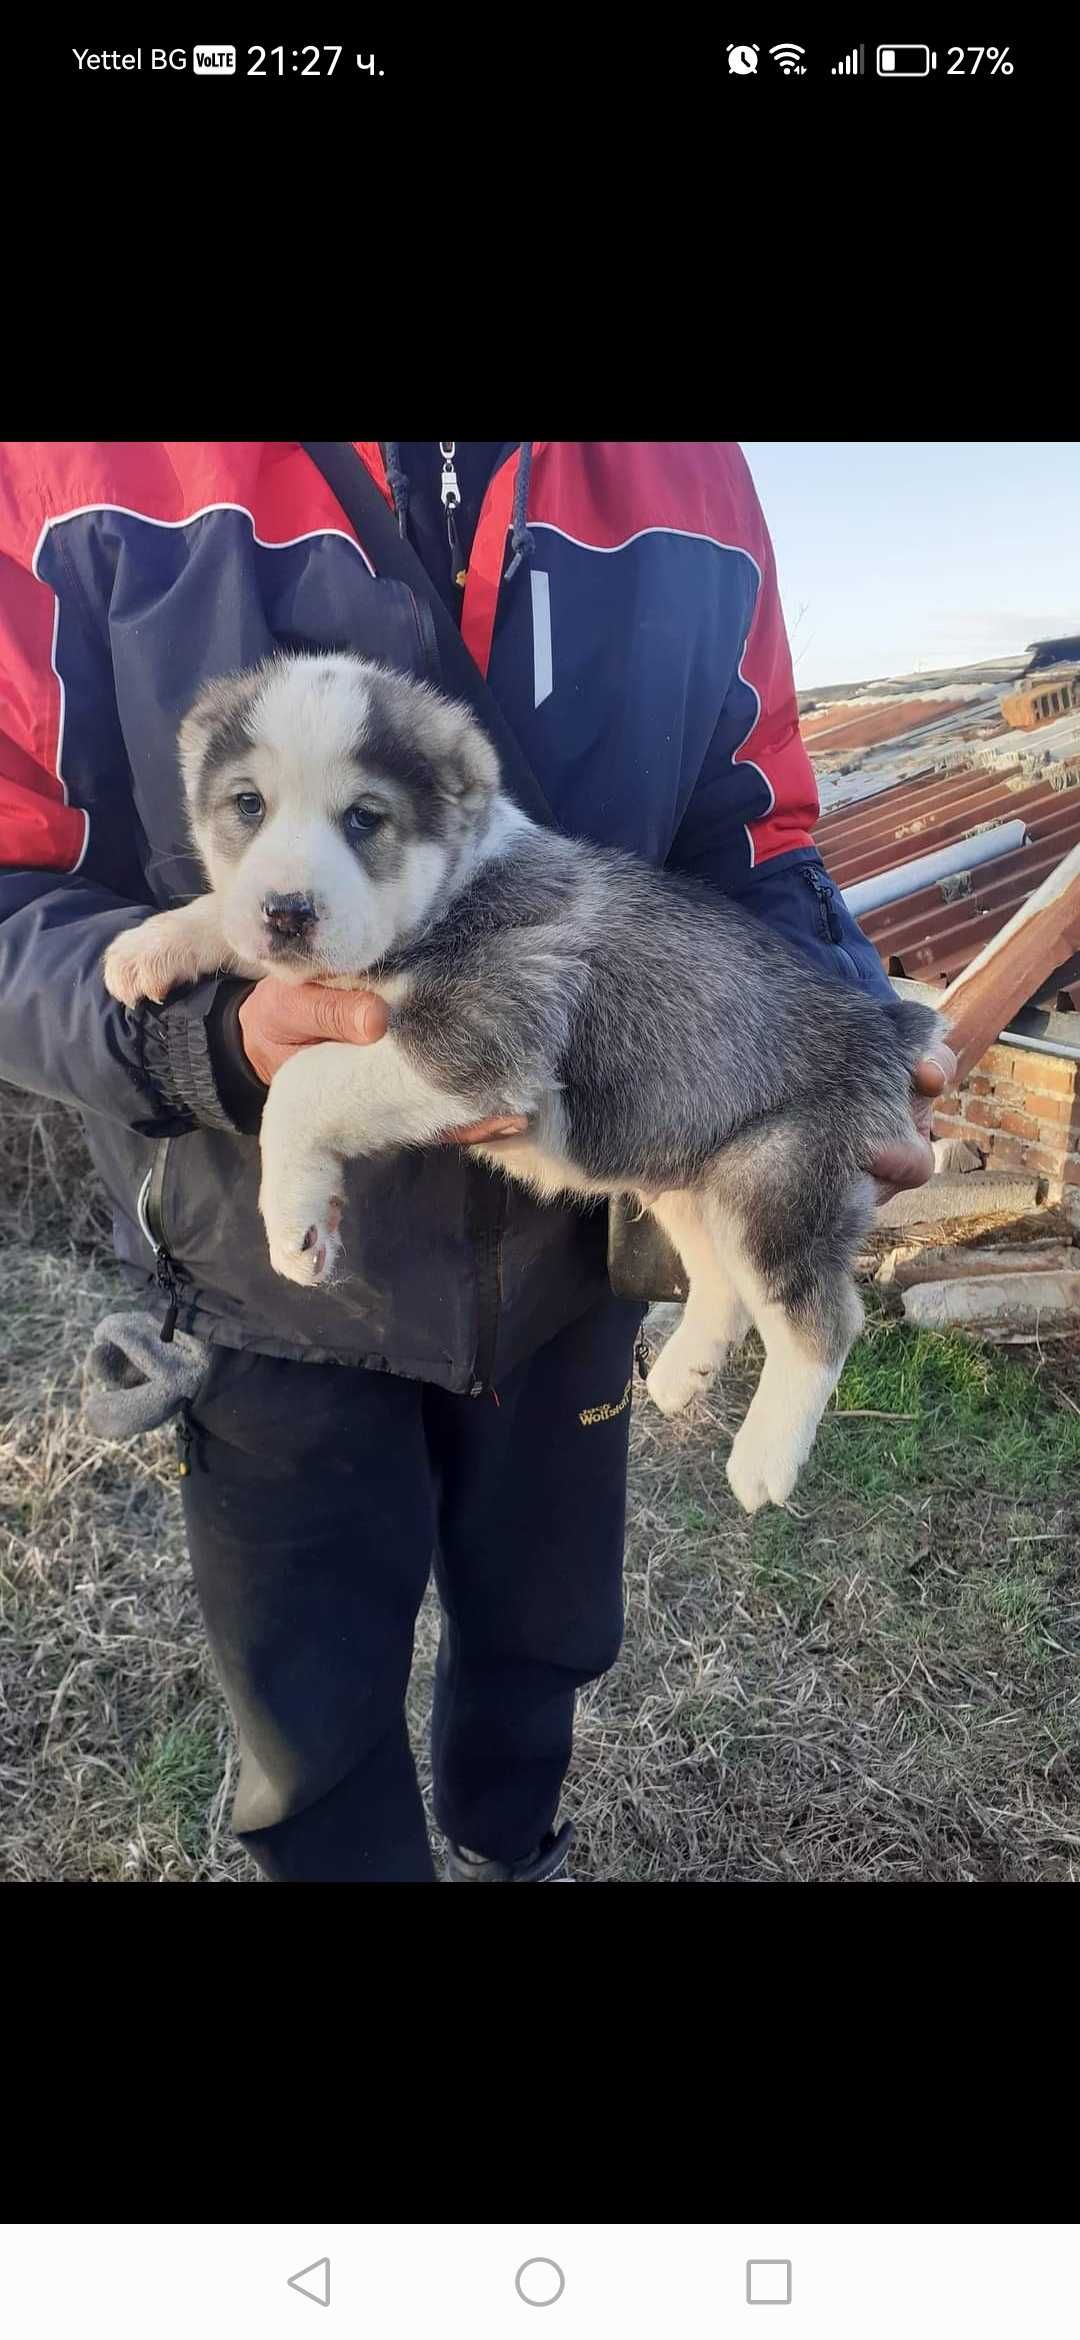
x,y
991,1272
976,1254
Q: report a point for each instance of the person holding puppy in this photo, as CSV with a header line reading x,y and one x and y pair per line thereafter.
x,y
459,1399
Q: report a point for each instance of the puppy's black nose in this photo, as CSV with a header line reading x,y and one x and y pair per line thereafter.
x,y
289,915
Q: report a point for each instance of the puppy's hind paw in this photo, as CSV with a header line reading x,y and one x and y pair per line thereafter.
x,y
675,1378
759,1473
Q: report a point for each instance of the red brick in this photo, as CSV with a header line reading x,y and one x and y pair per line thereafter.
x,y
997,1064
1052,1076
1009,1153
978,1085
1070,1170
1047,1165
1055,1109
1008,1093
944,1126
983,1116
1020,1125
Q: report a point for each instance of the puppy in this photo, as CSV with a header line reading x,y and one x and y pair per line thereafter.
x,y
659,1038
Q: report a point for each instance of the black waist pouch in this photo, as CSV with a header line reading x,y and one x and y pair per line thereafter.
x,y
642,1264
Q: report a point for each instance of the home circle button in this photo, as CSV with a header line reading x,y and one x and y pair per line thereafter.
x,y
539,2282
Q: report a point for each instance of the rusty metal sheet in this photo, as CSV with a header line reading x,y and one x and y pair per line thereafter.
x,y
936,932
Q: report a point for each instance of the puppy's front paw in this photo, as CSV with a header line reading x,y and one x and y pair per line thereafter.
x,y
302,1231
125,976
149,961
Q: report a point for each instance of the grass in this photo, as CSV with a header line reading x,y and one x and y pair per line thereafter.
x,y
173,1782
879,1683
980,1412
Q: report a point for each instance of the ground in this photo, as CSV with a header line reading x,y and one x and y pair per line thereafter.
x,y
879,1683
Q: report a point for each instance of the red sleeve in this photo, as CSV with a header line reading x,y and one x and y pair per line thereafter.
x,y
774,743
38,829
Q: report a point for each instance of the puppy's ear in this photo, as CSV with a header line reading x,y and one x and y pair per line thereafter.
x,y
468,764
216,727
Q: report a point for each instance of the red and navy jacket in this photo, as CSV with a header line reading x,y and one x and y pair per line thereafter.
x,y
637,650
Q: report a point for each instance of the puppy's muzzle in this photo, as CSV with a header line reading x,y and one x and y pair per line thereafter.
x,y
289,918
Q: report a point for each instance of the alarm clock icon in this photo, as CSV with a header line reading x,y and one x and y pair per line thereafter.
x,y
741,59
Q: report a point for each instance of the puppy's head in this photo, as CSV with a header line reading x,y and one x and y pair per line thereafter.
x,y
329,800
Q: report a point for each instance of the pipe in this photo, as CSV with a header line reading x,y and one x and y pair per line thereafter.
x,y
909,877
1040,1043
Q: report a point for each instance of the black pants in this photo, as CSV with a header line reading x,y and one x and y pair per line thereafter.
x,y
319,1498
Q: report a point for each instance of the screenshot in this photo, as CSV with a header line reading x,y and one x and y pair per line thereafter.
x,y
540,1195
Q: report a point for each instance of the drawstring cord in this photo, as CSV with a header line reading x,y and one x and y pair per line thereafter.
x,y
522,544
397,482
521,541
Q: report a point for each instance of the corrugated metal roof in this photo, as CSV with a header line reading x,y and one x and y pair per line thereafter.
x,y
1046,741
932,935
840,732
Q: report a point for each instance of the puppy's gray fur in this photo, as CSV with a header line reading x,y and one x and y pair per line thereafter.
x,y
661,1040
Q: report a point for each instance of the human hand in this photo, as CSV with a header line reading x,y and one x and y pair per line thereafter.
x,y
899,1167
278,1018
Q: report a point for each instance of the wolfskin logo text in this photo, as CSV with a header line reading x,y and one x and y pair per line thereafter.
x,y
593,1414
215,60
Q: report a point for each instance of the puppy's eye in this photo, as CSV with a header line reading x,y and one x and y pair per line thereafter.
x,y
249,804
360,820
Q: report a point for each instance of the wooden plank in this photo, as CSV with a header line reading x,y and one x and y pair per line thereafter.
x,y
1002,1308
911,1264
961,1194
978,1005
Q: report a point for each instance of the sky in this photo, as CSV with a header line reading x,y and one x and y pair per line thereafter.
x,y
896,555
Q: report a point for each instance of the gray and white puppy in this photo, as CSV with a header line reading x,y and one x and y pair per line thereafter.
x,y
660,1039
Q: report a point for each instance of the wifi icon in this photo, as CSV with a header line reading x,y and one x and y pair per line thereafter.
x,y
788,56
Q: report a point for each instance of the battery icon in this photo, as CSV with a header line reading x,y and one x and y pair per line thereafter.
x,y
901,63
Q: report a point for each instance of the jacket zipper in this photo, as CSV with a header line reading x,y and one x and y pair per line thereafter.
x,y
486,1221
821,887
487,1206
151,1220
828,918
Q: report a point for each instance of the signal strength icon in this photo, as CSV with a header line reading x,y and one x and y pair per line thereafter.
x,y
854,62
789,56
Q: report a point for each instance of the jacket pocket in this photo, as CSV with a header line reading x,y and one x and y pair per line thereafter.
x,y
829,923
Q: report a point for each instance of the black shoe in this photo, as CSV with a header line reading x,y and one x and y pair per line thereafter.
x,y
546,1866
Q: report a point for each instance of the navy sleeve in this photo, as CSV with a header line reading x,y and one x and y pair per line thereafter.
x,y
796,896
70,883
766,858
791,889
62,1036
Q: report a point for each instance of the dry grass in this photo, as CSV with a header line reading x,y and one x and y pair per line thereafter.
x,y
881,1684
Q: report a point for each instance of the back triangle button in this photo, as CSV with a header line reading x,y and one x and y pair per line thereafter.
x,y
313,2281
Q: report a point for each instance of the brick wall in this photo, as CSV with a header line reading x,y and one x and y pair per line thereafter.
x,y
1023,1112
